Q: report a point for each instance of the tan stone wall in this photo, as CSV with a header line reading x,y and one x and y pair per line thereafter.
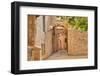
x,y
39,37
31,30
48,44
77,42
33,53
35,35
50,21
31,34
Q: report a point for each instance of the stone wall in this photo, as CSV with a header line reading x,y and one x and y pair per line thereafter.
x,y
48,44
49,22
77,42
35,37
31,35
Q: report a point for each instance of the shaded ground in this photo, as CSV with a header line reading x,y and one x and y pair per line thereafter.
x,y
62,54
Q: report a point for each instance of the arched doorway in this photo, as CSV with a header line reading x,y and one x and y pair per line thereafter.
x,y
59,38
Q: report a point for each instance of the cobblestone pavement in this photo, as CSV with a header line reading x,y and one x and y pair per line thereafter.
x,y
62,54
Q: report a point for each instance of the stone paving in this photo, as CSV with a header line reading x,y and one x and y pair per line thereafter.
x,y
62,54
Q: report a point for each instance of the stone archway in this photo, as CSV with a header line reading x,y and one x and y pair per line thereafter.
x,y
60,38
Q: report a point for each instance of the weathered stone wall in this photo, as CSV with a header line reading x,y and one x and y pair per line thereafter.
x,y
77,42
31,35
49,21
31,30
48,44
35,37
39,37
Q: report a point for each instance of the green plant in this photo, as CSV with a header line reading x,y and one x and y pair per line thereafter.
x,y
79,23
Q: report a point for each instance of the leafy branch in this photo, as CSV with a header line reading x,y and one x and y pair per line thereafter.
x,y
79,23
